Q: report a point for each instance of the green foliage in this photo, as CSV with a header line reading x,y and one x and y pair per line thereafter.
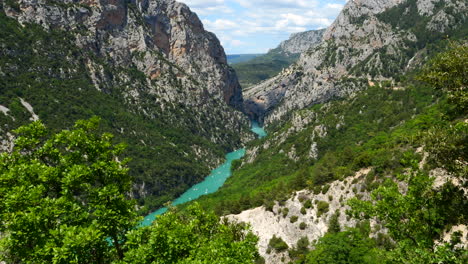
x,y
334,224
302,226
349,247
448,146
191,236
49,71
322,208
285,212
447,72
416,218
299,252
278,244
62,196
293,218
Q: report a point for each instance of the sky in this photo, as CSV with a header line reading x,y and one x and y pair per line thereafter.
x,y
255,26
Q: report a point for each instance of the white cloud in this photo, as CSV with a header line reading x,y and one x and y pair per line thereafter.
x,y
237,22
206,7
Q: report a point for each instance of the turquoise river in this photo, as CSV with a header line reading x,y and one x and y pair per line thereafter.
x,y
212,182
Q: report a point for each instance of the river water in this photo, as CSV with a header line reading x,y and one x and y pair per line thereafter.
x,y
212,182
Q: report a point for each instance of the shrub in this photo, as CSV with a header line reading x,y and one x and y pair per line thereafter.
x,y
293,219
302,226
278,244
285,212
322,208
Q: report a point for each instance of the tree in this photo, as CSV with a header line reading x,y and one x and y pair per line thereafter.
x,y
348,247
448,143
447,72
416,218
191,236
63,196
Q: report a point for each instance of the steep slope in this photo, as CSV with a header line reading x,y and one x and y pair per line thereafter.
x,y
301,42
370,40
313,149
160,82
266,66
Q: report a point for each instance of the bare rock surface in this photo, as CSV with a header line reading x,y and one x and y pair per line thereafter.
x,y
301,42
357,46
267,224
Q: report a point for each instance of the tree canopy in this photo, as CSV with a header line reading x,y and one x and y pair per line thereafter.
x,y
64,198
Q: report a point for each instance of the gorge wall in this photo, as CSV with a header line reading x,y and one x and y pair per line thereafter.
x,y
159,81
369,40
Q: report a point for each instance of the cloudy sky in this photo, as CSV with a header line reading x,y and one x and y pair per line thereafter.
x,y
255,26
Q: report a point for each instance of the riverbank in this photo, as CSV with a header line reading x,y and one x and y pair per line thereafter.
x,y
211,183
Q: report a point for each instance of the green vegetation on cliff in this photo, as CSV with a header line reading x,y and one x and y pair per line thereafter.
x,y
418,217
47,69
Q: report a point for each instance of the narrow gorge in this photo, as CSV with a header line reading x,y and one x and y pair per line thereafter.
x,y
127,137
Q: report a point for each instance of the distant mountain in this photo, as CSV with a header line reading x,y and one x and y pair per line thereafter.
x,y
266,66
301,42
238,58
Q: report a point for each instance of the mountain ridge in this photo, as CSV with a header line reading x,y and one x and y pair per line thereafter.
x,y
365,37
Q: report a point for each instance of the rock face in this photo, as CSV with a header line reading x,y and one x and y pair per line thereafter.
x,y
258,102
132,31
152,56
301,42
277,222
378,38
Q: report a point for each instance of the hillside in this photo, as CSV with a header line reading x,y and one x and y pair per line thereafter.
x,y
340,111
266,66
370,40
158,80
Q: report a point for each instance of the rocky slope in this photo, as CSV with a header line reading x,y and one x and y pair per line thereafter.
x,y
266,66
148,67
301,42
277,222
370,40
316,210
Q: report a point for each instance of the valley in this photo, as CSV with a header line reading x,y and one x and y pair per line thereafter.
x,y
345,144
211,183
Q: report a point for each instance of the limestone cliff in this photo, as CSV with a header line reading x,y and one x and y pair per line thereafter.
x,y
164,80
302,41
369,40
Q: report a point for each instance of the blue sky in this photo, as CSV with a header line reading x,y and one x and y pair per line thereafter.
x,y
255,26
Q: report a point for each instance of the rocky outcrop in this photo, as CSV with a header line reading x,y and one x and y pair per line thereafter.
x,y
261,98
277,222
302,41
129,31
368,40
